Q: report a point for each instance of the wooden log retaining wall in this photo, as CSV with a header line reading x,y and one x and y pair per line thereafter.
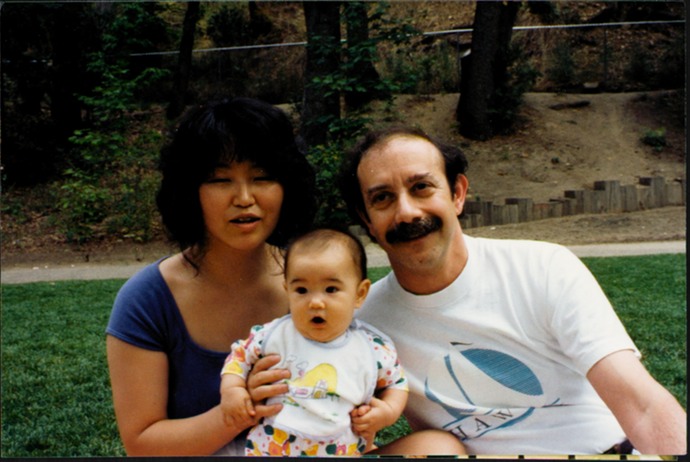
x,y
606,197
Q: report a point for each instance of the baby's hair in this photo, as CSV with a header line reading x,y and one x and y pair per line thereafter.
x,y
321,238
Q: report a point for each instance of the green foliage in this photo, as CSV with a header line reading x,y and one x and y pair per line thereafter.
x,y
230,25
508,94
655,139
384,31
423,71
113,162
81,205
439,71
326,161
639,65
560,66
402,68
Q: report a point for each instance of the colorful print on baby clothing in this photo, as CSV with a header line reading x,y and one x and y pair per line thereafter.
x,y
265,440
317,383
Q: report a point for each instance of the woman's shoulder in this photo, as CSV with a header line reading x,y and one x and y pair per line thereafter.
x,y
146,279
144,309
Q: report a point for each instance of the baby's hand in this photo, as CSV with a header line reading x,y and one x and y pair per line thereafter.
x,y
362,425
237,407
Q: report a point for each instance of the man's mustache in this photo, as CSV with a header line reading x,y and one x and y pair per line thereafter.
x,y
405,232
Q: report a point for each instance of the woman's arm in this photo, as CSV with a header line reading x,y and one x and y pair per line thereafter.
x,y
139,380
264,383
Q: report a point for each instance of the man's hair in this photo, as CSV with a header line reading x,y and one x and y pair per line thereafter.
x,y
453,158
217,134
322,238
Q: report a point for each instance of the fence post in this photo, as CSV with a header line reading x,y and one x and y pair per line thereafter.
x,y
611,197
629,198
657,190
524,208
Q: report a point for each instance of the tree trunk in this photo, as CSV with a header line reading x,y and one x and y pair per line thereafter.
x,y
184,66
361,70
321,104
68,73
485,69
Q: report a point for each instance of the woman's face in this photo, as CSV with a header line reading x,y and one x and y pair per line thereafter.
x,y
241,205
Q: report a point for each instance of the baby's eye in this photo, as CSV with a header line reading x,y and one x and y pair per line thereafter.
x,y
331,289
301,290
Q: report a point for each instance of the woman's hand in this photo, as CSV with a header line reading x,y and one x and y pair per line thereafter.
x,y
264,383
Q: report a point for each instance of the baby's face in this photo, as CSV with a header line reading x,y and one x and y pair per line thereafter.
x,y
324,290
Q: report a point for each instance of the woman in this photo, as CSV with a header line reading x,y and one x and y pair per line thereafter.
x,y
235,187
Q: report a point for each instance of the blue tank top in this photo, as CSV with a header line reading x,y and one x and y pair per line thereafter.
x,y
145,315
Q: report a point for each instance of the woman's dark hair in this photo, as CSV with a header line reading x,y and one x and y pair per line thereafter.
x,y
348,182
226,131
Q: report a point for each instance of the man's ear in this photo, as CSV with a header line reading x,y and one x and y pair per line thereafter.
x,y
362,292
460,193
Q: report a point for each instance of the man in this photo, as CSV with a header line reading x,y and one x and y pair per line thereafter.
x,y
511,346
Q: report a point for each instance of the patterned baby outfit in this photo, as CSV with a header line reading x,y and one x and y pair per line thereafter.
x,y
328,381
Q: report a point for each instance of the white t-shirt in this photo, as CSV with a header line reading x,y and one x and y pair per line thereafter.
x,y
499,358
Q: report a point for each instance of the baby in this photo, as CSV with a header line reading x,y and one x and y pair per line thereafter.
x,y
346,382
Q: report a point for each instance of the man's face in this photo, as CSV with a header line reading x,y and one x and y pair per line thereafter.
x,y
412,211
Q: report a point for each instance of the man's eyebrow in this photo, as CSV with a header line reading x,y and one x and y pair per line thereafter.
x,y
375,189
420,176
410,180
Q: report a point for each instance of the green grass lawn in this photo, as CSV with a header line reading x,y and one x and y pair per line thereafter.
x,y
55,388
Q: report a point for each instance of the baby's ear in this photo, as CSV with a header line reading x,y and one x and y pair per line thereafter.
x,y
362,292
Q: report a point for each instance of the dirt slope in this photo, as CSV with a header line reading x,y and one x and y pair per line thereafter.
x,y
556,150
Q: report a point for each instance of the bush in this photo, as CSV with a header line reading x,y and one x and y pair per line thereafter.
x,y
332,209
508,96
110,185
81,205
561,66
655,139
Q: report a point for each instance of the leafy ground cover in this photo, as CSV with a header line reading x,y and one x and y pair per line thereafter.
x,y
55,390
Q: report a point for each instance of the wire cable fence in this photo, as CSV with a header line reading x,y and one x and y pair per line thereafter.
x,y
568,57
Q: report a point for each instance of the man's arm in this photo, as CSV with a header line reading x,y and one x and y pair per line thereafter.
x,y
651,417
